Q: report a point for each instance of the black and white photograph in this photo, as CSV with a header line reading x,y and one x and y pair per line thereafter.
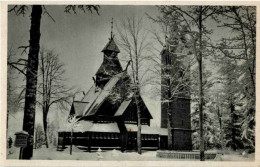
x,y
111,82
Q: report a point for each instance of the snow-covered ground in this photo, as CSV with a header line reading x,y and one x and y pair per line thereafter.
x,y
112,155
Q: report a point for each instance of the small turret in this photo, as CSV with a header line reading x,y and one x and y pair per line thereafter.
x,y
111,65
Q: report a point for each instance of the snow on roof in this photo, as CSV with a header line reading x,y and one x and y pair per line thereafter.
x,y
104,93
145,129
89,126
105,127
91,94
79,107
123,107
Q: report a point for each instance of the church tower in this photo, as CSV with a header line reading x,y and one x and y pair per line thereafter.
x,y
179,104
111,65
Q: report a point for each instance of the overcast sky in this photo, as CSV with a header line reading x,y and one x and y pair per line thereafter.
x,y
78,39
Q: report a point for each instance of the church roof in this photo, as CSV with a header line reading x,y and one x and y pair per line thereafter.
x,y
89,126
92,94
147,129
123,107
95,97
101,95
79,107
111,46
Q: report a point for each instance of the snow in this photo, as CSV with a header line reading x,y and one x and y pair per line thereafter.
x,y
147,129
112,155
89,126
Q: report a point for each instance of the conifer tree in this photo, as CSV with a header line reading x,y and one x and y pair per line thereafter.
x,y
241,48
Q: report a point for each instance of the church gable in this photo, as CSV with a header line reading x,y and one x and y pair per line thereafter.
x,y
77,108
111,96
104,93
128,110
145,114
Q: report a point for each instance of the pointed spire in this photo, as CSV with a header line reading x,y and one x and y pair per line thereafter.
x,y
112,28
111,45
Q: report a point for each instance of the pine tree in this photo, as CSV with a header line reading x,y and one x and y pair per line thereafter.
x,y
241,47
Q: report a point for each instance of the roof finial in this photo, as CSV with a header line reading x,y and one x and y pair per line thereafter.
x,y
112,28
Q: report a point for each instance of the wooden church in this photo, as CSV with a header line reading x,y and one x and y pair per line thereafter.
x,y
108,114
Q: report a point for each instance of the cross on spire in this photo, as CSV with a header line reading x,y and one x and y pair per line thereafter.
x,y
112,28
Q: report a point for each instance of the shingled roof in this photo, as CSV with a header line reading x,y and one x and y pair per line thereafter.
x,y
123,107
79,107
102,95
111,46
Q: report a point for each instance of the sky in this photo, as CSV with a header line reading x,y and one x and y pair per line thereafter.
x,y
79,39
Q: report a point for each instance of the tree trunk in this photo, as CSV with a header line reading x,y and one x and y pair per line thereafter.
x,y
71,140
139,136
233,138
221,130
199,59
7,121
31,79
35,143
45,124
169,111
169,127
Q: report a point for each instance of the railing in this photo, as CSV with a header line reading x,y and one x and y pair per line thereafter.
x,y
183,155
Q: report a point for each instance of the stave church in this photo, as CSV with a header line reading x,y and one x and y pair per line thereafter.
x,y
108,114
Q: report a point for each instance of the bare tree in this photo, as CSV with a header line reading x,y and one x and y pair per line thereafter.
x,y
33,62
14,93
51,87
133,40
